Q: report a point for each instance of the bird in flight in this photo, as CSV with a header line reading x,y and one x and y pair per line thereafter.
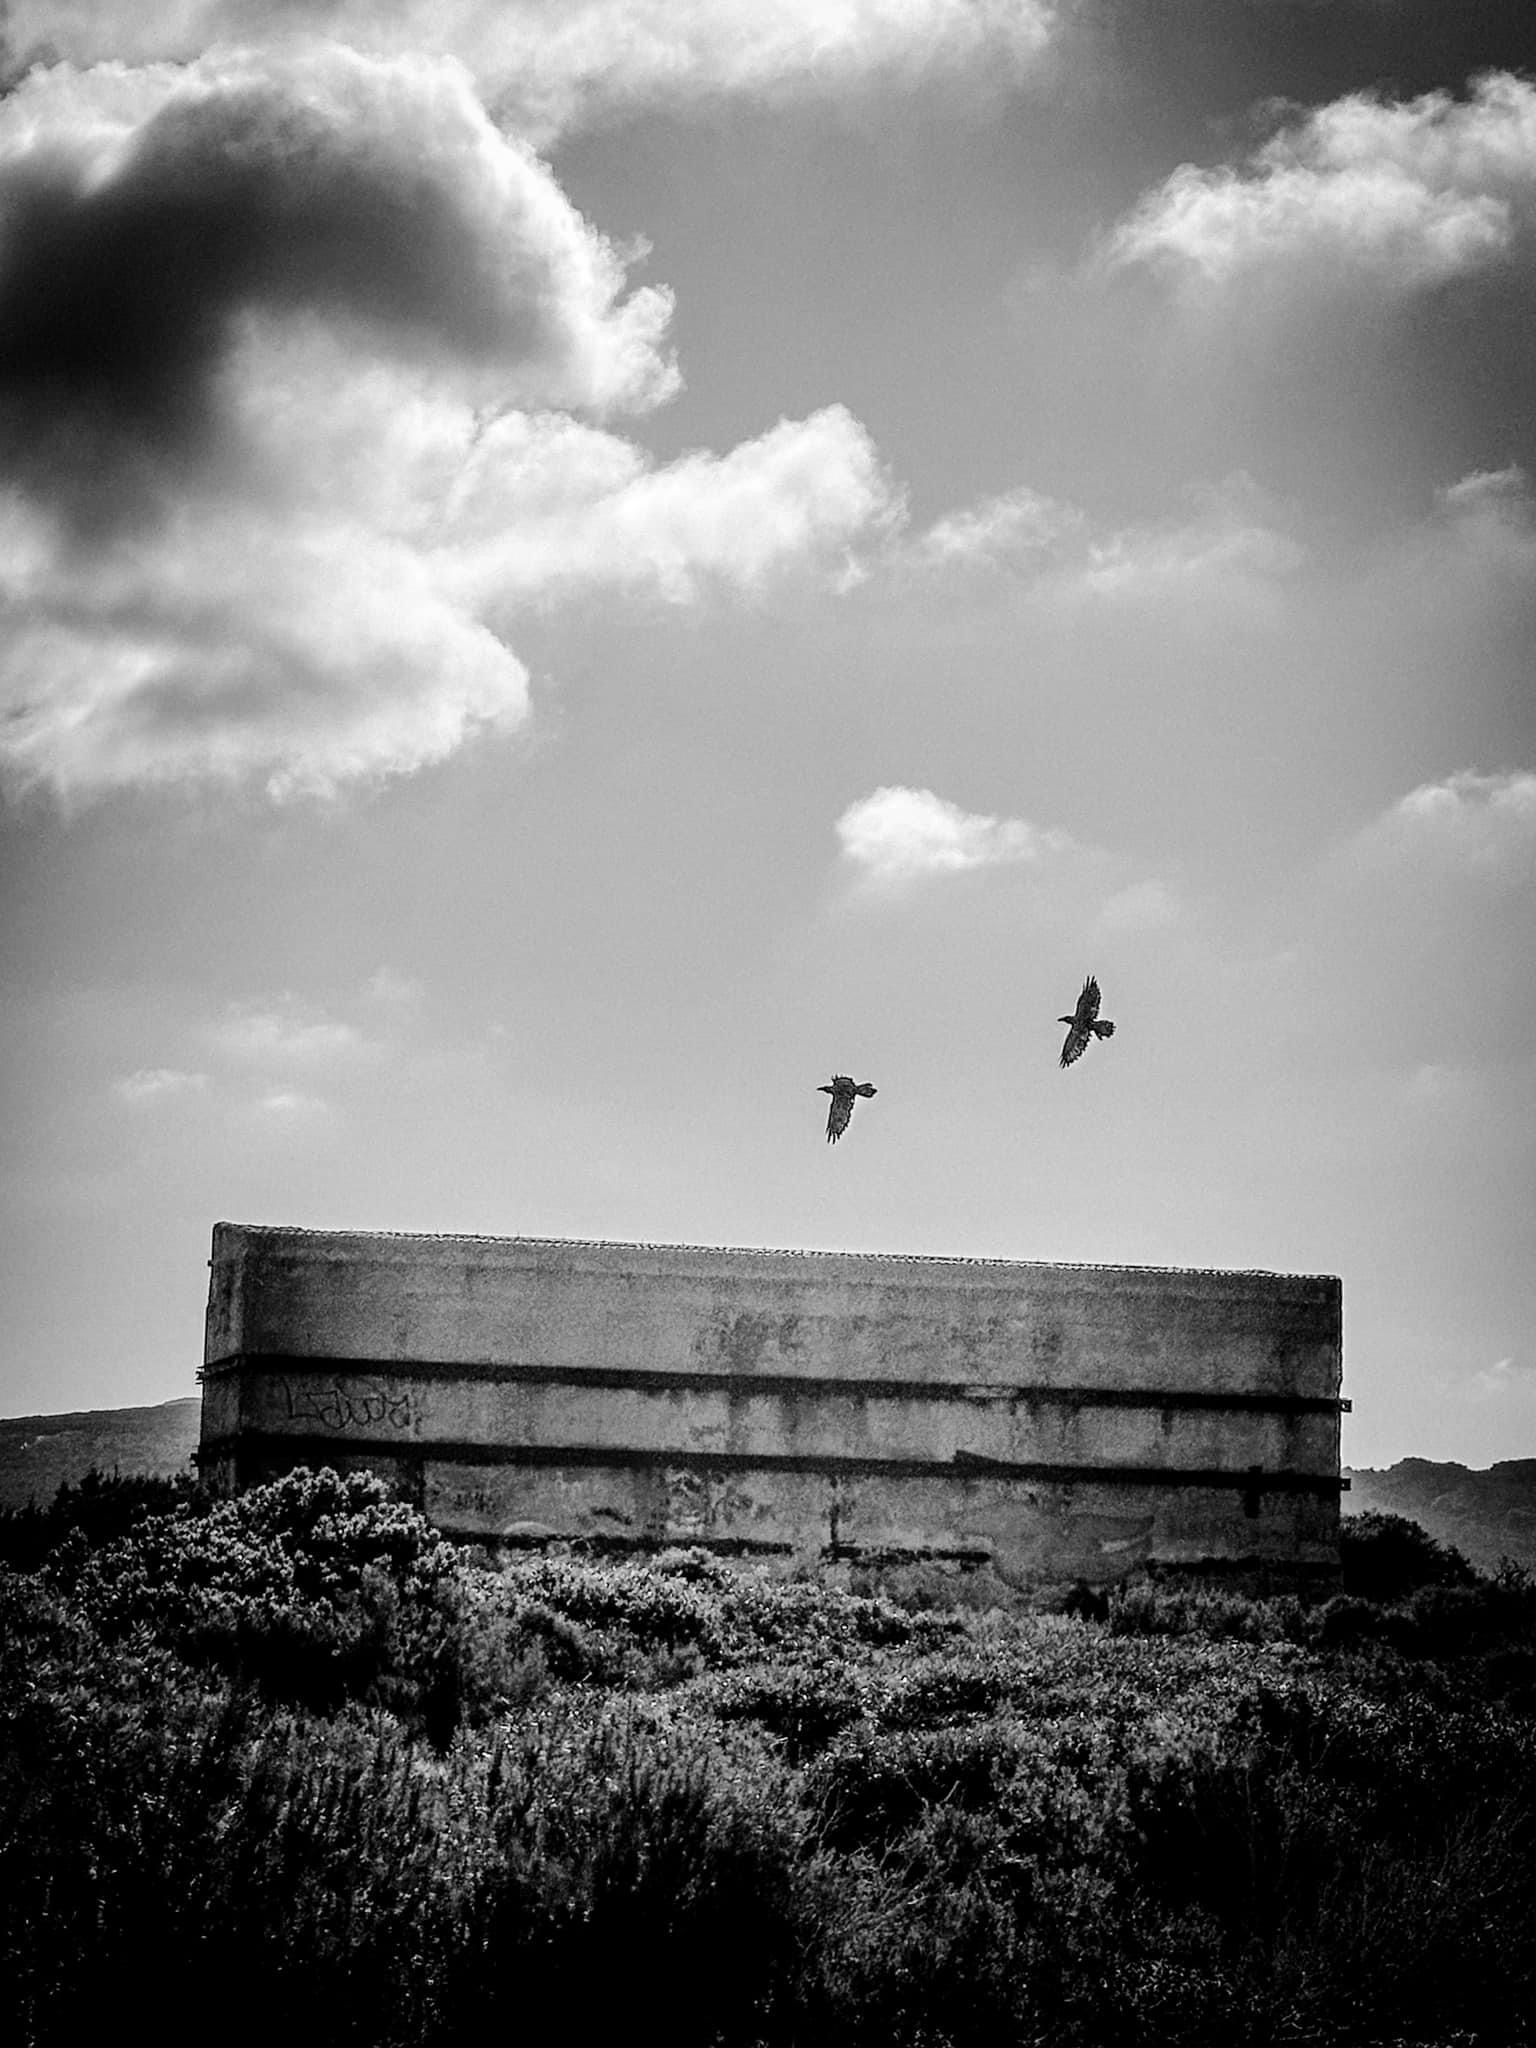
x,y
842,1088
1085,1024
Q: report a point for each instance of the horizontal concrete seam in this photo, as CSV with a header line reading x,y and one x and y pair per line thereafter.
x,y
299,1447
828,1385
606,1244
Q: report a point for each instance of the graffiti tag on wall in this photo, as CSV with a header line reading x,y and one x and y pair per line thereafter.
x,y
360,1404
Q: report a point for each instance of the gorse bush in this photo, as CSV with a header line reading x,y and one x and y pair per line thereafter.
x,y
295,1766
1384,1557
317,1589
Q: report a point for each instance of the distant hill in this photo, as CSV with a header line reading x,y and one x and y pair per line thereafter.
x,y
39,1452
1487,1515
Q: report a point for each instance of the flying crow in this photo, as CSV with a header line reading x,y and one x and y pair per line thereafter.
x,y
1085,1024
842,1088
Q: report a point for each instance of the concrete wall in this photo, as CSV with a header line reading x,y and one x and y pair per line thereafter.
x,y
1056,1421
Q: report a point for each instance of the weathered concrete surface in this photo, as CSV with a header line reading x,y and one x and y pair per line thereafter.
x,y
1056,1420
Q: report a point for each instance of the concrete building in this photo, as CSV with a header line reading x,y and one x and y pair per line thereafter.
x,y
1054,1421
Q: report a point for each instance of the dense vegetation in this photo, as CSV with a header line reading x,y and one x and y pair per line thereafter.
x,y
294,1769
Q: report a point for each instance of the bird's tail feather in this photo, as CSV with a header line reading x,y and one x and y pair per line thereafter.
x,y
1105,1030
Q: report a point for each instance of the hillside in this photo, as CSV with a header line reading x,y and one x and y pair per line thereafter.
x,y
39,1452
1488,1515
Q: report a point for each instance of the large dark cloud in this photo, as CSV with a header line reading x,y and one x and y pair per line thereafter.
x,y
116,297
353,189
292,344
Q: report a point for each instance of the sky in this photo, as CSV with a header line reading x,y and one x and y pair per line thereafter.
x,y
571,568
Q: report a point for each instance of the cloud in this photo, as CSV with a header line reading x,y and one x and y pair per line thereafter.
x,y
232,644
146,210
158,1084
275,520
1490,513
291,1105
1232,538
284,1036
1497,492
1470,823
1400,194
1012,527
548,505
1222,546
1504,1376
555,64
896,836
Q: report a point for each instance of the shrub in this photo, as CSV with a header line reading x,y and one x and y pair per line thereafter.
x,y
1385,1557
1145,1607
298,1745
637,1605
317,1589
1347,1621
804,1705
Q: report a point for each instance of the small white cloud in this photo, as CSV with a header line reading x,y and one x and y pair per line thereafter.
x,y
899,835
159,1084
1401,195
291,1104
1220,548
1474,824
1490,513
1013,527
1504,1375
1503,491
285,1037
1232,541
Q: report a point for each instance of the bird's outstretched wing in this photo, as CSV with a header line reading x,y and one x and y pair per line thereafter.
x,y
1087,1005
1077,1042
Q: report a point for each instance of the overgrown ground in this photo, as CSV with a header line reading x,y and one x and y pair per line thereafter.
x,y
293,1770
